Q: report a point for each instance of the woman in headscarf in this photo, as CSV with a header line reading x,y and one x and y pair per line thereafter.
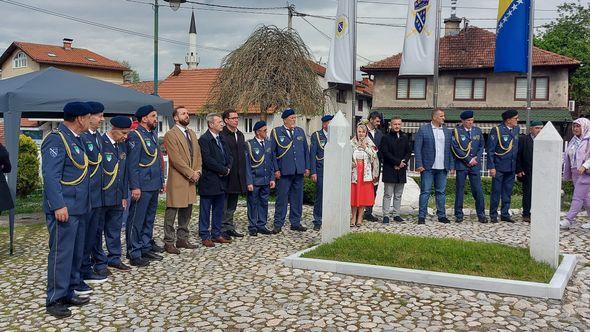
x,y
365,172
577,163
6,202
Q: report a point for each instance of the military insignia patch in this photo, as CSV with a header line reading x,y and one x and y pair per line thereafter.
x,y
90,146
268,150
122,156
282,138
53,152
148,143
300,138
476,138
108,156
505,138
463,137
132,144
256,150
77,149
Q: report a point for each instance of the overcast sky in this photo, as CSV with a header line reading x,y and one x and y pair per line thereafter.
x,y
225,29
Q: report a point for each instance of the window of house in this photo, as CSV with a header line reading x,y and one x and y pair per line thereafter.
x,y
341,96
248,125
540,88
19,60
411,88
470,89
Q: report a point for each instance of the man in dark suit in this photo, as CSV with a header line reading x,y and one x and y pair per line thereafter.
x,y
217,163
524,166
432,150
236,185
375,134
6,202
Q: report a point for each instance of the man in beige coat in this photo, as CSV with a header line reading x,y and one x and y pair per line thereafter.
x,y
184,171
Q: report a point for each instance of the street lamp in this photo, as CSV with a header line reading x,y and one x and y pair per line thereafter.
x,y
174,4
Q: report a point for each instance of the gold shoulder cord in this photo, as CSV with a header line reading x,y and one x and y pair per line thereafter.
x,y
145,149
506,150
258,162
77,165
467,150
95,163
112,174
317,135
285,147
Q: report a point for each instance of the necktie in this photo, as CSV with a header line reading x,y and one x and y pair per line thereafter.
x,y
95,136
190,143
469,134
262,144
290,133
218,140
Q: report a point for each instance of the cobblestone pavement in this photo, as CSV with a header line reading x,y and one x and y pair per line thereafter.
x,y
244,286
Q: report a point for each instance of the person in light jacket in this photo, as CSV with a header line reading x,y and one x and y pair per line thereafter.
x,y
365,173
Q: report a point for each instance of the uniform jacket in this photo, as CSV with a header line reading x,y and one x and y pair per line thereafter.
x,y
499,158
215,165
93,145
463,152
425,149
395,148
316,152
6,202
180,191
291,155
114,185
144,168
58,166
259,163
524,158
237,178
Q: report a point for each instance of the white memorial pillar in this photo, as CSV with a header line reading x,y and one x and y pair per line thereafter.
x,y
337,175
546,196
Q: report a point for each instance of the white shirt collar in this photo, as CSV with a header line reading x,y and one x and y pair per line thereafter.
x,y
92,132
214,134
325,133
111,139
183,129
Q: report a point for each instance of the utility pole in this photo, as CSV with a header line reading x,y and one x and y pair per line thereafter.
x,y
291,9
156,10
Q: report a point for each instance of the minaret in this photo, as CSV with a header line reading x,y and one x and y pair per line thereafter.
x,y
192,60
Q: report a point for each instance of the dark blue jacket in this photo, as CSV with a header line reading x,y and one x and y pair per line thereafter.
x,y
93,146
57,168
216,162
114,185
289,158
425,149
316,152
503,148
463,152
144,161
259,163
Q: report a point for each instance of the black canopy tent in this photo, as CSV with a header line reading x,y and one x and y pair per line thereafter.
x,y
44,93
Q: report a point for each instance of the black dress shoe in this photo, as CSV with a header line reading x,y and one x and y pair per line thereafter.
x,y
459,220
58,310
253,233
225,235
103,272
234,233
444,220
317,227
276,230
494,220
386,220
121,267
76,301
156,248
369,217
152,256
398,219
299,228
264,231
139,262
421,221
506,219
483,220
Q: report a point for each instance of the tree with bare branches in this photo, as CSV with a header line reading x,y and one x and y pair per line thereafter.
x,y
271,71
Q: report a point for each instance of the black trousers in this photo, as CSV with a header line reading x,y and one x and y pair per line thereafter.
x,y
527,189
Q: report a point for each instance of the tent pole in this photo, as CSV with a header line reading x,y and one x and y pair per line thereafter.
x,y
12,131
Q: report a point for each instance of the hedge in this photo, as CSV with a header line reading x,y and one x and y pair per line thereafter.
x,y
28,167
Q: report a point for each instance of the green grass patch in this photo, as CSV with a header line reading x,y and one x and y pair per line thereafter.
x,y
435,254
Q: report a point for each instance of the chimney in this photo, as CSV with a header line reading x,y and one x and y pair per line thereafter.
x,y
177,69
453,23
67,43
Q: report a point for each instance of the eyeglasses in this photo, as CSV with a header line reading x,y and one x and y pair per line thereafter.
x,y
234,118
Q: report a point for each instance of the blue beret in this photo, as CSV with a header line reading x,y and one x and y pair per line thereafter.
x,y
96,107
466,115
77,108
327,117
121,122
535,123
287,113
509,114
144,110
259,125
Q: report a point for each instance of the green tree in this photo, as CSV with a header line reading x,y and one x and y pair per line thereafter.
x,y
569,35
28,166
130,76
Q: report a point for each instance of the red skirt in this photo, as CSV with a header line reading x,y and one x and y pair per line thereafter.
x,y
361,193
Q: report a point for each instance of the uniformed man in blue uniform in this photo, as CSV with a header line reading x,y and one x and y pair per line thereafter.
x,y
66,203
467,145
316,158
114,190
259,179
291,158
502,154
146,181
85,274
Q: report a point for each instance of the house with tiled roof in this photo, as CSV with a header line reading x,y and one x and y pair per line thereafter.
x,y
467,81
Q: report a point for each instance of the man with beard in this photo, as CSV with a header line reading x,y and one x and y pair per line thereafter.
x,y
184,170
376,136
146,181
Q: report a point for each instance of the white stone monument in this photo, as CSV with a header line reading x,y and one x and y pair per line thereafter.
x,y
337,177
546,196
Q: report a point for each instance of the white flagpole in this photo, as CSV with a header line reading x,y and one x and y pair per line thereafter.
x,y
437,53
529,76
352,115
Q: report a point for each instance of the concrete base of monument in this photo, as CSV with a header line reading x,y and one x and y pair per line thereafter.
x,y
553,290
